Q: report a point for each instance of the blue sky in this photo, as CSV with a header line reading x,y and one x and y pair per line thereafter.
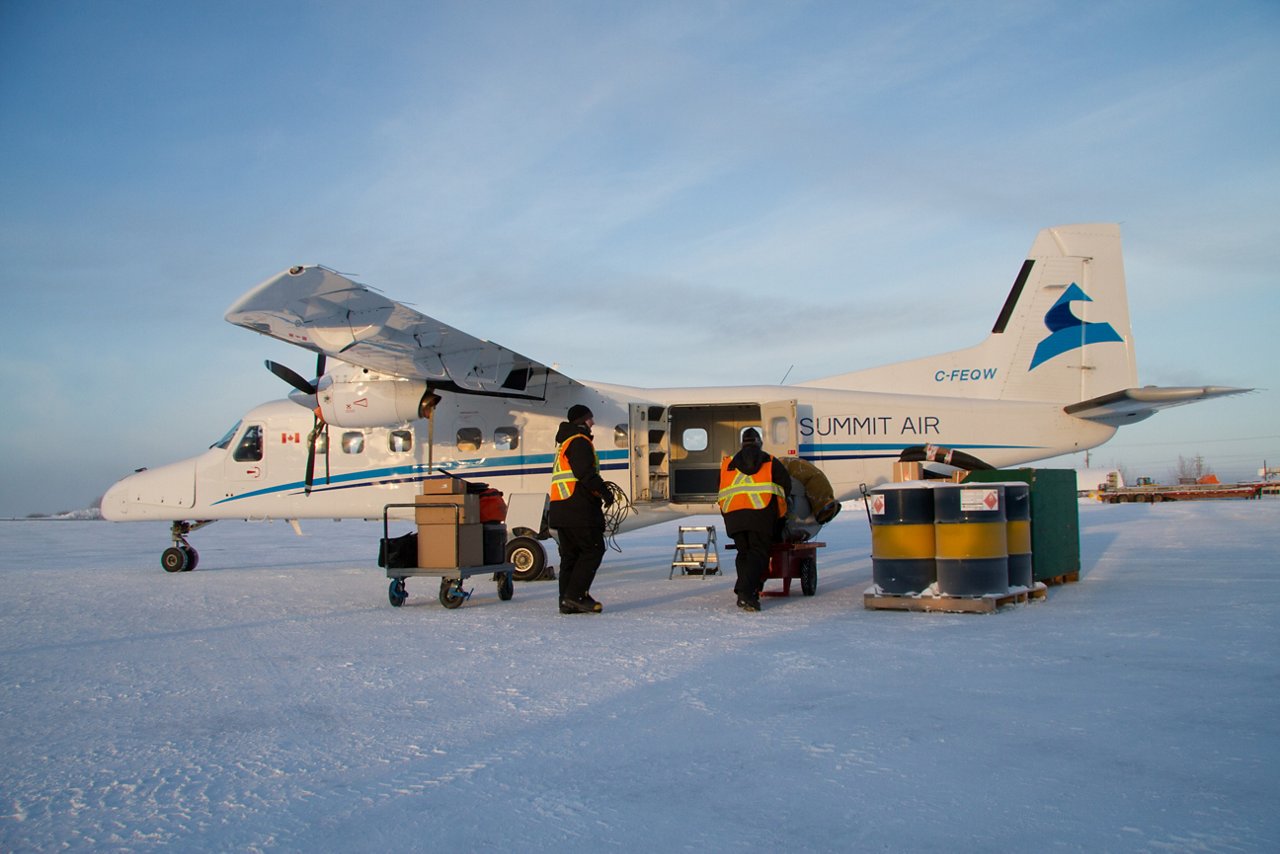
x,y
869,174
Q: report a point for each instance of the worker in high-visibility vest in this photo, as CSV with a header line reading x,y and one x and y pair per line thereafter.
x,y
578,496
753,500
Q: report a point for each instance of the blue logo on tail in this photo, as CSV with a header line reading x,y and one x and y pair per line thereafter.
x,y
1068,332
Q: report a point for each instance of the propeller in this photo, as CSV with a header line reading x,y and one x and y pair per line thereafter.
x,y
319,426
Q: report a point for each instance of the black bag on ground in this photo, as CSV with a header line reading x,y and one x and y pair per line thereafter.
x,y
398,552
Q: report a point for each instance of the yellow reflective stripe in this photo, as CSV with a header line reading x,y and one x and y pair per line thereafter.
x,y
563,480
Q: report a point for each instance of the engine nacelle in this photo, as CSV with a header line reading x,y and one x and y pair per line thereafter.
x,y
371,403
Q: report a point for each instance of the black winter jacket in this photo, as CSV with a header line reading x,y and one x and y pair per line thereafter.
x,y
583,508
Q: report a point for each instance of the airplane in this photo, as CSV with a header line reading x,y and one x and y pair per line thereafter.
x,y
400,398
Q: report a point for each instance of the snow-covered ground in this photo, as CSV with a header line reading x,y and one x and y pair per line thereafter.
x,y
273,699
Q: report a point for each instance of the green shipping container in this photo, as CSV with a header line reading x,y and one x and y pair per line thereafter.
x,y
1055,518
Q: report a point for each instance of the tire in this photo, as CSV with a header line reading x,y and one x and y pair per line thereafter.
x,y
173,559
528,557
193,558
809,576
396,593
506,588
451,593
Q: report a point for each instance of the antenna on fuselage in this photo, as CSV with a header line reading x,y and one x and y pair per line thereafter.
x,y
783,381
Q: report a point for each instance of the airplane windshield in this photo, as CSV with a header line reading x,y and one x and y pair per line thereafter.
x,y
226,440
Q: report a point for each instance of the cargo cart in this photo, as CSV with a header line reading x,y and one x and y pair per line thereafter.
x,y
792,560
451,577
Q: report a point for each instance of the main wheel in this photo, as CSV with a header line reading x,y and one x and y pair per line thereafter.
x,y
396,593
451,592
173,559
506,588
528,557
193,558
809,576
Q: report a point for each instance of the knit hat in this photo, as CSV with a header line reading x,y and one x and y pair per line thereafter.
x,y
579,413
750,436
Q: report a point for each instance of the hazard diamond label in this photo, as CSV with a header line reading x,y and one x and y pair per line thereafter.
x,y
979,499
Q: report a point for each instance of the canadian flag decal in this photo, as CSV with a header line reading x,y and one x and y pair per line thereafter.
x,y
286,438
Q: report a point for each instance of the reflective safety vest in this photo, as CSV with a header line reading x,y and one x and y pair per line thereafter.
x,y
740,491
563,480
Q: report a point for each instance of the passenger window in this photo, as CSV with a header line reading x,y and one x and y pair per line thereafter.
x,y
401,441
322,442
694,439
620,436
469,438
353,442
506,438
250,447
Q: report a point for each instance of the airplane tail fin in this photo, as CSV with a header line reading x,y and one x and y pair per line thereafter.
x,y
1063,334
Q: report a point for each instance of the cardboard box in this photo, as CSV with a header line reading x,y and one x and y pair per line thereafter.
x,y
444,486
439,509
447,546
904,472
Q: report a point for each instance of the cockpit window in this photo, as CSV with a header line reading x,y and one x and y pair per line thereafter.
x,y
250,447
226,440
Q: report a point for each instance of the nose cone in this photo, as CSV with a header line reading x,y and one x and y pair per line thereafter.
x,y
115,502
164,493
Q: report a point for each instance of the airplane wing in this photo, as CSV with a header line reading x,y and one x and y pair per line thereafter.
x,y
1134,404
325,312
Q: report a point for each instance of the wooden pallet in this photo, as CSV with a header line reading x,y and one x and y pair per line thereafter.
x,y
958,604
1066,578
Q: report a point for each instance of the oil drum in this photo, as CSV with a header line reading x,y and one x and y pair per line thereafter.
x,y
902,537
972,539
1017,511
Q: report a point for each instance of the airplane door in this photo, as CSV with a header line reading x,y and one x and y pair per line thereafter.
x,y
781,428
649,451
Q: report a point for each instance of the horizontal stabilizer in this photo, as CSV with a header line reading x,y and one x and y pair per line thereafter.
x,y
1134,404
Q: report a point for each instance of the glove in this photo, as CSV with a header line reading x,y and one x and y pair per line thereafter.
x,y
606,498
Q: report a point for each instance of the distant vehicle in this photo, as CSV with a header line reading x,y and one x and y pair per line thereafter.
x,y
400,397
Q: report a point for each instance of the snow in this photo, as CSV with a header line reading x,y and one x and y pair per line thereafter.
x,y
273,700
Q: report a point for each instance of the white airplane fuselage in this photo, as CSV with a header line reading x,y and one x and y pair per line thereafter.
x,y
661,446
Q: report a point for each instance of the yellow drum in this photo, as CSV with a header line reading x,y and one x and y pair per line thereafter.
x,y
902,537
971,531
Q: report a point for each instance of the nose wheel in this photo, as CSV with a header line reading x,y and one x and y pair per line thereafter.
x,y
181,557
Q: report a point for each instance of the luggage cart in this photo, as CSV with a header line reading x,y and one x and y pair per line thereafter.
x,y
451,593
792,560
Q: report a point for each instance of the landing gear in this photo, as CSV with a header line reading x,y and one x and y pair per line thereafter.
x,y
181,557
174,559
528,557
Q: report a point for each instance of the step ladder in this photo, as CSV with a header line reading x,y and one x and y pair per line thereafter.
x,y
695,552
